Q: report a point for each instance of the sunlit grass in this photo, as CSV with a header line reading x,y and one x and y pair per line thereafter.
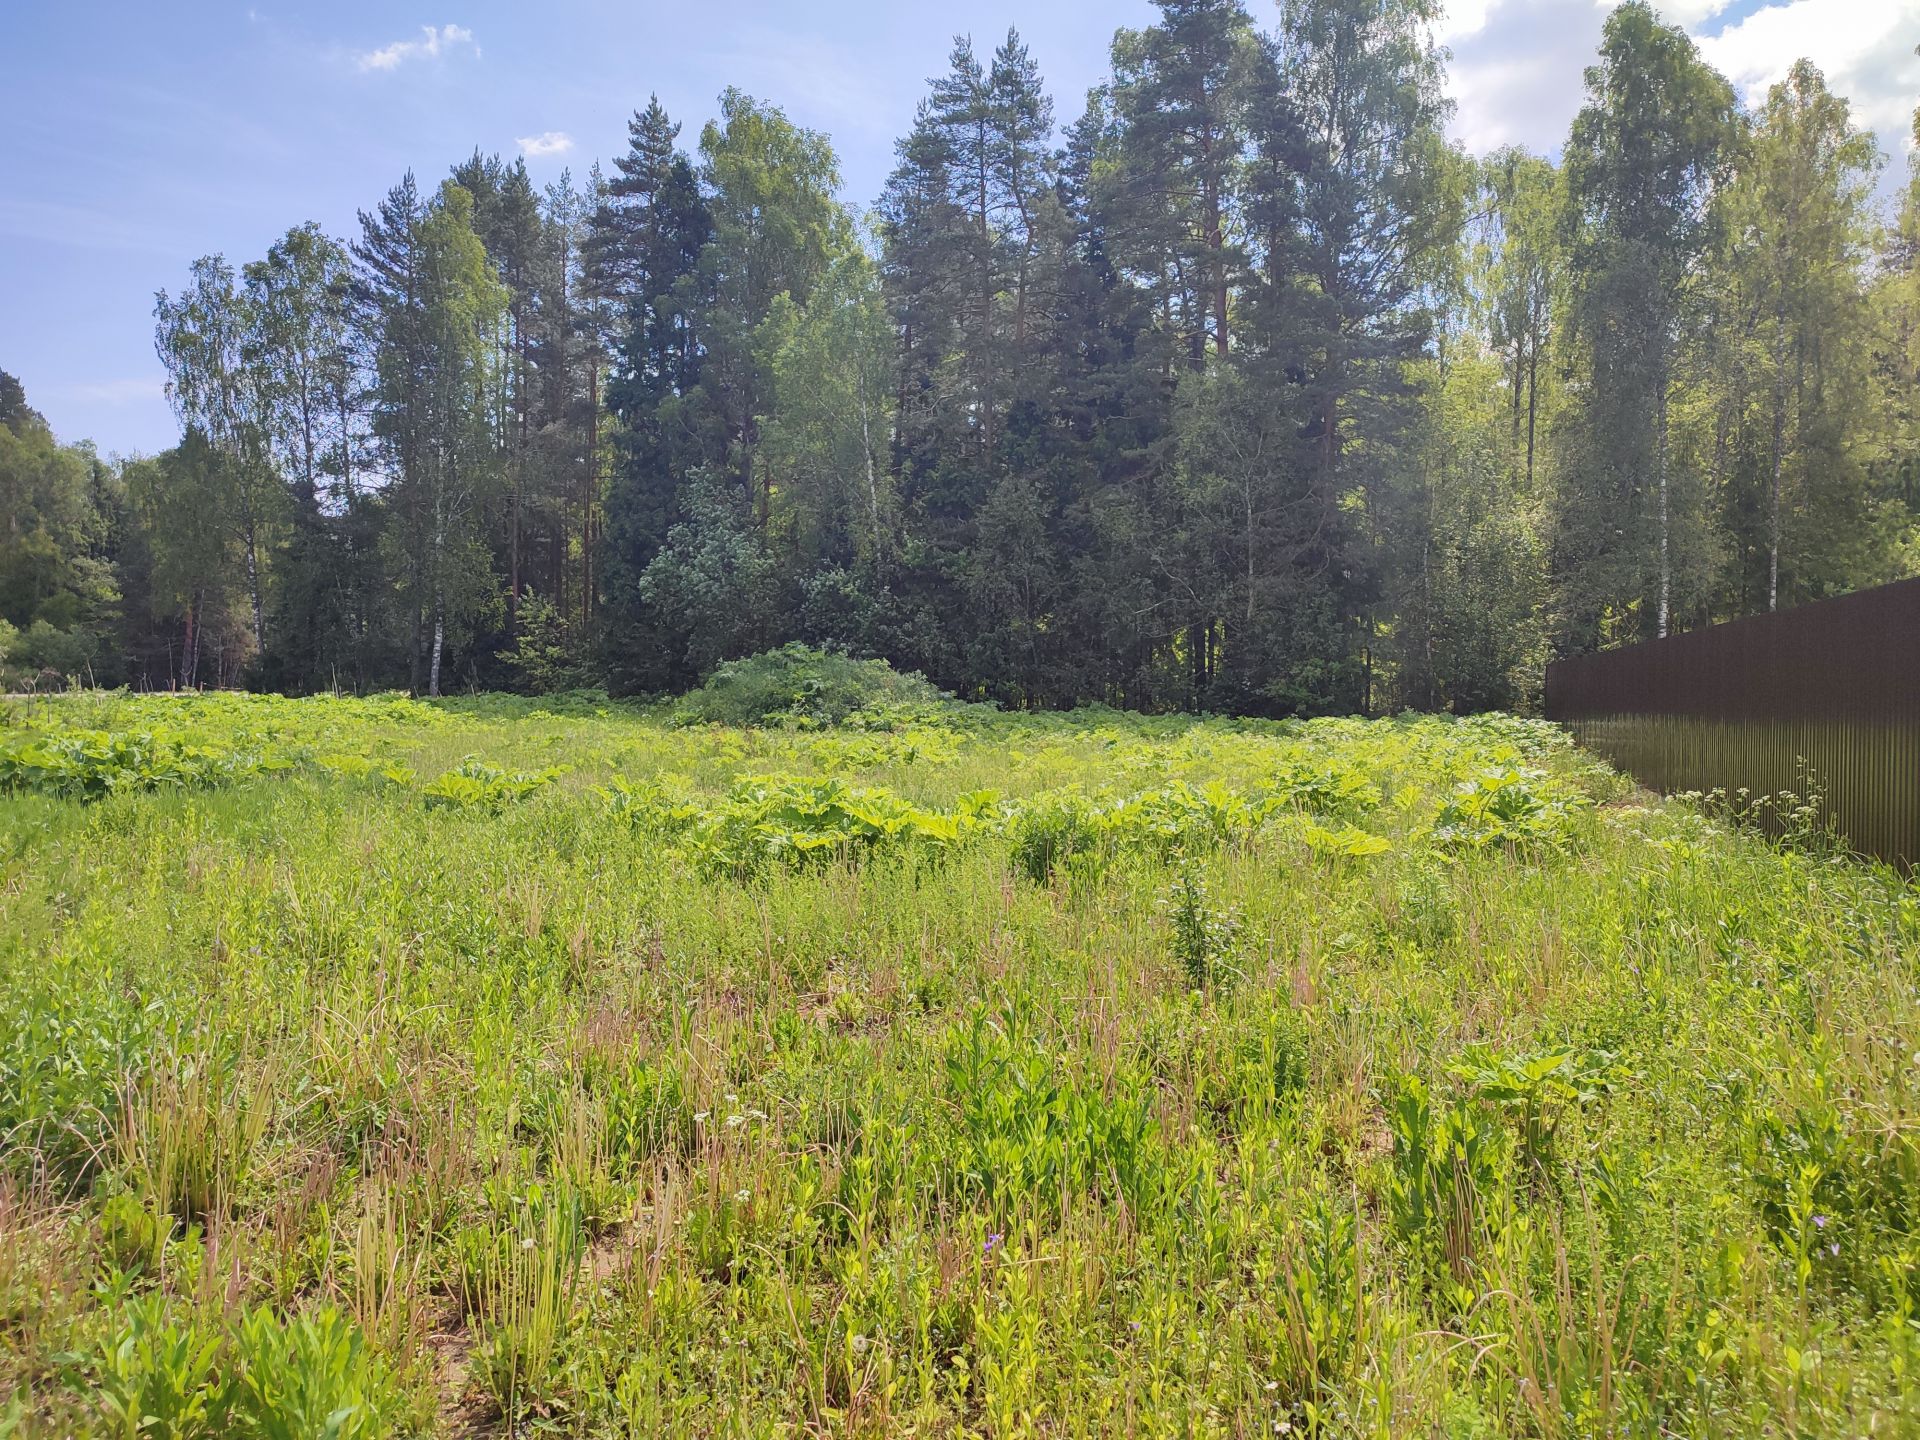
x,y
941,1073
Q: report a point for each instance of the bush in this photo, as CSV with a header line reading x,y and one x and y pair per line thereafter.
x,y
547,656
795,685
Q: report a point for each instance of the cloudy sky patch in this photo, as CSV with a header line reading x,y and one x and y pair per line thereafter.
x,y
429,46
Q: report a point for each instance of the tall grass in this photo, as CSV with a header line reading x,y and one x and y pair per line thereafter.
x,y
401,1068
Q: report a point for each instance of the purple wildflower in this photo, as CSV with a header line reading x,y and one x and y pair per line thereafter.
x,y
1819,1222
993,1242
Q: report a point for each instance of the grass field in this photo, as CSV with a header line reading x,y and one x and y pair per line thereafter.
x,y
368,1067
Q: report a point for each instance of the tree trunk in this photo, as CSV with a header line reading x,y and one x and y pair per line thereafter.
x,y
253,592
1533,405
1778,458
1660,474
593,487
866,454
439,640
438,588
190,644
513,557
1216,245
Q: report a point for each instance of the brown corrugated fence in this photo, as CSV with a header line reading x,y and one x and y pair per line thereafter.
x,y
1830,690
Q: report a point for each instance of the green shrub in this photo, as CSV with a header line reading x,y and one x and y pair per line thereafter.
x,y
791,820
1333,789
1052,831
795,685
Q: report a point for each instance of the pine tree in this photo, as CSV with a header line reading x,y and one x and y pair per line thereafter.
x,y
642,260
1182,92
435,303
1380,201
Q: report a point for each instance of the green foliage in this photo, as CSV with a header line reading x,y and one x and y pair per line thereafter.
x,y
1031,1135
309,1375
93,764
1057,830
1348,841
1449,1166
791,820
159,1373
801,687
1535,1088
1325,787
1203,934
1511,808
767,1078
547,655
475,785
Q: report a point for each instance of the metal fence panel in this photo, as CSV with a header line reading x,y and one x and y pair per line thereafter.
x,y
1830,690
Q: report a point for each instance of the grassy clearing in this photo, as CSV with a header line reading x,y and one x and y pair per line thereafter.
x,y
367,1067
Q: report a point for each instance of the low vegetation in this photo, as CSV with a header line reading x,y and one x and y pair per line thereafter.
x,y
817,1055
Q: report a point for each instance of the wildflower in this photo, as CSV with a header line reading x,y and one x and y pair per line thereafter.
x,y
993,1242
743,1196
734,1122
700,1116
1834,1249
1819,1222
859,1343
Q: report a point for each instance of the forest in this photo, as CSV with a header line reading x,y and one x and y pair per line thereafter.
x,y
1243,391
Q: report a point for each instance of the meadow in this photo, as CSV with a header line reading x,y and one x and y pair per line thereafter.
x,y
896,1067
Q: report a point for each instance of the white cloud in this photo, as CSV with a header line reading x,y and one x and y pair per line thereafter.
x,y
1516,76
1460,18
1865,48
548,142
1689,13
431,43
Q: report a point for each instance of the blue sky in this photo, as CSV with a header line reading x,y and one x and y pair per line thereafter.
x,y
139,136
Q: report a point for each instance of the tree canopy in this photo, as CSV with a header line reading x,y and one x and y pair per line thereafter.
x,y
1245,390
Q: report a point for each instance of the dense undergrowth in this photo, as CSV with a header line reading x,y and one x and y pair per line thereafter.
x,y
370,1066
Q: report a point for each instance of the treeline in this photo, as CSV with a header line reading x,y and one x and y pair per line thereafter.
x,y
1245,391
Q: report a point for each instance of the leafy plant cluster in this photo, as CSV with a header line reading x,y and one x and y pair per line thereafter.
x,y
476,785
1033,1135
93,764
527,1116
1517,809
160,1372
805,688
793,819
